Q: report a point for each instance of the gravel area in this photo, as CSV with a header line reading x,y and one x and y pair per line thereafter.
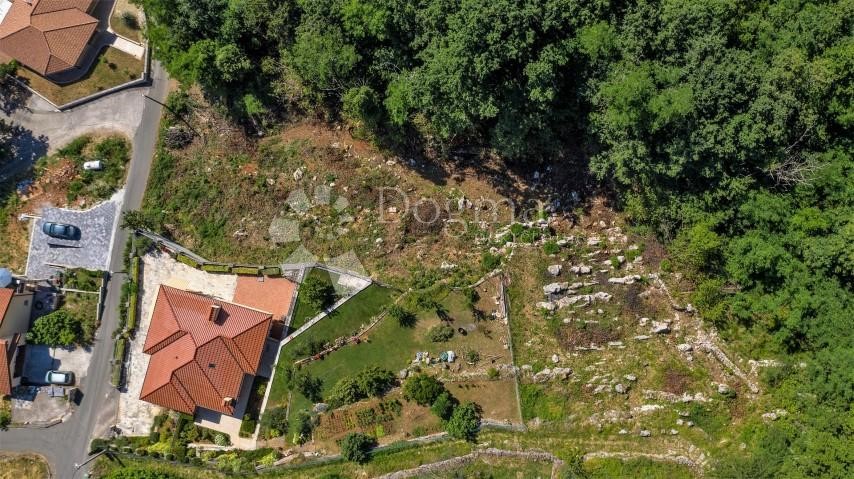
x,y
136,416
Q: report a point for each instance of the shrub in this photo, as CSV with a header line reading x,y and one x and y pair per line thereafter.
x,y
183,258
492,374
490,261
356,447
274,423
666,266
472,356
422,389
216,267
550,248
404,317
58,328
441,333
247,426
444,405
465,422
272,271
308,386
305,423
246,270
98,445
221,439
372,381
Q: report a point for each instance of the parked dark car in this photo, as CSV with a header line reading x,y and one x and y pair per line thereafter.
x,y
61,231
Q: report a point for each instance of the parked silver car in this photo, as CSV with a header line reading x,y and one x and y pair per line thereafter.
x,y
61,378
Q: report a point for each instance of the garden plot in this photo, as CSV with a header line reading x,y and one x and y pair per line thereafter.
x,y
476,336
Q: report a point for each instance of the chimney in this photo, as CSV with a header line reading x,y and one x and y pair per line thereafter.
x,y
214,314
227,401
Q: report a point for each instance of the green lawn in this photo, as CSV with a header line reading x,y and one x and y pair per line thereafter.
x,y
345,320
303,311
609,468
389,345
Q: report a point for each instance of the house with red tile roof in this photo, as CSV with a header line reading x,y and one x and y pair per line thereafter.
x,y
202,350
47,36
15,307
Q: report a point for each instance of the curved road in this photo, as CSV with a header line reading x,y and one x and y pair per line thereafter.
x,y
66,445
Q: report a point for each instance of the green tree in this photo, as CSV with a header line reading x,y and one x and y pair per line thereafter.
x,y
464,422
356,447
138,472
317,292
274,422
404,317
444,405
423,389
58,328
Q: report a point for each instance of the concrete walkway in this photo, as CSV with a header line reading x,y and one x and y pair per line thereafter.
x,y
127,46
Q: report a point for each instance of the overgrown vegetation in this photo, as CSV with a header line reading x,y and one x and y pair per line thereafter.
x,y
723,128
113,152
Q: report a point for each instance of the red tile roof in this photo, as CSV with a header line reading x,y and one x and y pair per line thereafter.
x,y
197,362
48,36
272,294
5,299
5,371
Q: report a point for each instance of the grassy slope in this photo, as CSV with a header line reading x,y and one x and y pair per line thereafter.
x,y
344,321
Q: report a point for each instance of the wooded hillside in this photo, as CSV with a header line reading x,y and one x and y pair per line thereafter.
x,y
723,127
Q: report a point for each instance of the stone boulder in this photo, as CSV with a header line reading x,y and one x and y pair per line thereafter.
x,y
555,269
660,327
555,288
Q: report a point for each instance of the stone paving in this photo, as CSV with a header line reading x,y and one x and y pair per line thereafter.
x,y
97,226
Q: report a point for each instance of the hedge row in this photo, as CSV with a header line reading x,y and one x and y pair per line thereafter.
x,y
216,268
184,258
247,270
118,361
133,303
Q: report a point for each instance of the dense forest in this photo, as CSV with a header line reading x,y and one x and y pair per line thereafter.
x,y
724,127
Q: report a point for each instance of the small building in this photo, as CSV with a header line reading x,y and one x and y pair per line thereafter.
x,y
203,351
46,36
15,307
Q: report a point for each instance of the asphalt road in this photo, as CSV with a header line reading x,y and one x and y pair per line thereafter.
x,y
67,444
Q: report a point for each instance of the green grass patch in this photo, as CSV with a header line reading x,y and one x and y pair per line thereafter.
x,y
537,402
611,468
344,321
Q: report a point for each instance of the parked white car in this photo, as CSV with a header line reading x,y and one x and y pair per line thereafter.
x,y
96,165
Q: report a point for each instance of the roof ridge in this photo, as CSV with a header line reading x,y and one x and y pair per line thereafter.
x,y
234,339
172,310
205,375
59,29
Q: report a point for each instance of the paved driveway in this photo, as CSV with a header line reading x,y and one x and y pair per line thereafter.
x,y
41,359
97,226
